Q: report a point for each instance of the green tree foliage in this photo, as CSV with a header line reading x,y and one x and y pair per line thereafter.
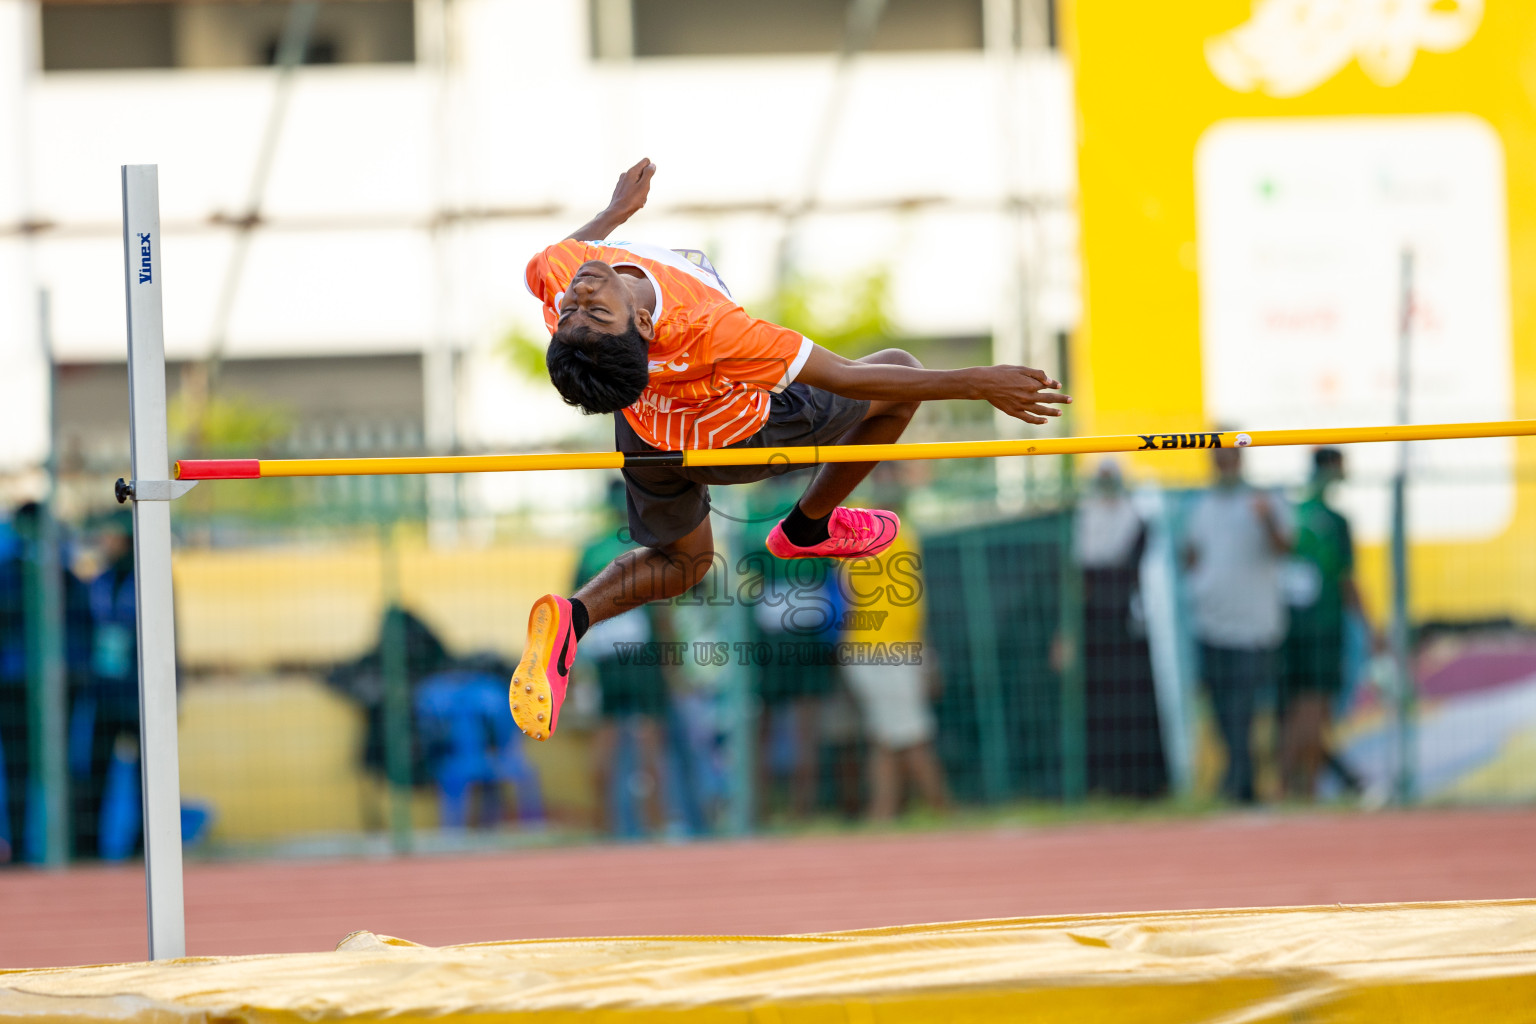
x,y
524,352
851,316
226,424
230,425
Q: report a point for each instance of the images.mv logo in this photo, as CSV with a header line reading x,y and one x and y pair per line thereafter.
x,y
144,258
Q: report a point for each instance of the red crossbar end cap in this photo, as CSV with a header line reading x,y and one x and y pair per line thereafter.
x,y
218,469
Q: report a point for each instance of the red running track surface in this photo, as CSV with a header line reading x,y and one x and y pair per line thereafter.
x,y
778,886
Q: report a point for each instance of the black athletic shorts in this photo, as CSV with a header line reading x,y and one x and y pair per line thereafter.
x,y
667,503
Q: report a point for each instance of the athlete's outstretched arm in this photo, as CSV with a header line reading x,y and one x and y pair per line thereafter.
x,y
1020,391
629,196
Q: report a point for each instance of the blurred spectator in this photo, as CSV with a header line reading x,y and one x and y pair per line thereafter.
x,y
457,733
13,694
79,660
1321,592
885,627
624,656
1235,541
19,550
700,711
363,681
1125,745
104,721
472,747
795,627
795,621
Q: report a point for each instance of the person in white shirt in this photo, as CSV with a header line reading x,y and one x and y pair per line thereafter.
x,y
1124,739
1235,542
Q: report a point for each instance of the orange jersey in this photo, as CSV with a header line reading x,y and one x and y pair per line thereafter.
x,y
712,367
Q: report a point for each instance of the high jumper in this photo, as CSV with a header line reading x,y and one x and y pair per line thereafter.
x,y
653,335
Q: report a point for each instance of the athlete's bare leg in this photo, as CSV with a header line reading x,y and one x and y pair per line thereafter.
x,y
883,424
657,574
649,574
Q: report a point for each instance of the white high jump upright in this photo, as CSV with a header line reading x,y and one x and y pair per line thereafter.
x,y
152,491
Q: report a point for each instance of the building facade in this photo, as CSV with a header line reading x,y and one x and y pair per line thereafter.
x,y
345,239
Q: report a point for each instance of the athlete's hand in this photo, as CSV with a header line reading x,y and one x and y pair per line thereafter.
x,y
629,196
1023,392
634,187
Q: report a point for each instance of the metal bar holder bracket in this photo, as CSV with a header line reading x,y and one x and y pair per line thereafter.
x,y
151,490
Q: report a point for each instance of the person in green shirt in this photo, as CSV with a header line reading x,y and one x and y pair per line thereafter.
x,y
1321,592
631,681
795,610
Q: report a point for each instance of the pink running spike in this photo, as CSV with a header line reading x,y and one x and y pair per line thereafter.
x,y
852,533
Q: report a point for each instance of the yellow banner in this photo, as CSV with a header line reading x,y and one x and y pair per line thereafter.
x,y
1271,191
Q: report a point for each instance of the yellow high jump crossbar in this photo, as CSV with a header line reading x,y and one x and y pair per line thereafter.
x,y
254,469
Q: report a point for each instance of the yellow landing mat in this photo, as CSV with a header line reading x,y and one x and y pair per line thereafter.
x,y
1430,962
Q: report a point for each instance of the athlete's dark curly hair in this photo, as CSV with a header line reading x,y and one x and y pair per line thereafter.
x,y
595,371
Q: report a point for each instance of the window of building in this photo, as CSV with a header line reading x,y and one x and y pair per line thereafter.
x,y
107,36
622,29
81,36
1035,25
331,405
669,28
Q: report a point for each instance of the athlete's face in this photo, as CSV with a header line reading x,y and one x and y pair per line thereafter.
x,y
602,299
